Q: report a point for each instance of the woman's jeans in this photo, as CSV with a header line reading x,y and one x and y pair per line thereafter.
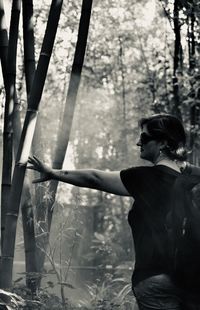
x,y
160,293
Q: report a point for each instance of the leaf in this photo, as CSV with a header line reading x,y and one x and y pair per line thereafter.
x,y
120,280
66,284
189,101
50,284
99,236
18,280
51,271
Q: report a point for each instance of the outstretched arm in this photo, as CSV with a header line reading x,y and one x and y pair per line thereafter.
x,y
90,178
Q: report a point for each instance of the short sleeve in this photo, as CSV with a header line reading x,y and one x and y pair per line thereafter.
x,y
132,179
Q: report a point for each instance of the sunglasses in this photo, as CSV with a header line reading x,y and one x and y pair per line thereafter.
x,y
145,138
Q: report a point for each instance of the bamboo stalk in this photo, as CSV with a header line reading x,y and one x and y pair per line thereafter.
x,y
3,41
16,138
25,143
29,42
65,128
10,77
26,203
74,82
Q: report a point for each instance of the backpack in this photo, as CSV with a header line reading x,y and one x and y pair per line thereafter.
x,y
184,232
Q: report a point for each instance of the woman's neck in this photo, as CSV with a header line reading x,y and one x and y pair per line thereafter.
x,y
168,162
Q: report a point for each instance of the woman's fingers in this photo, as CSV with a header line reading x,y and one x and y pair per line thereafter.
x,y
31,167
40,180
31,161
36,160
36,164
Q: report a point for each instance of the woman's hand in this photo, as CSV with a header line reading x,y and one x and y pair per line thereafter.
x,y
37,165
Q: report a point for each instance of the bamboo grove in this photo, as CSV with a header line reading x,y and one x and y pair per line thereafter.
x,y
171,82
35,79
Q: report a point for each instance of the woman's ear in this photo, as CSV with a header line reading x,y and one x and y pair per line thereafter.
x,y
163,145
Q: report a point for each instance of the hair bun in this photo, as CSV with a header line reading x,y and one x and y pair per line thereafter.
x,y
179,153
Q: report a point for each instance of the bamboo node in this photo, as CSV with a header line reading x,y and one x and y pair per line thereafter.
x,y
7,257
12,214
6,184
32,110
45,54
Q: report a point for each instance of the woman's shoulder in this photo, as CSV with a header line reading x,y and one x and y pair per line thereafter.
x,y
137,171
138,168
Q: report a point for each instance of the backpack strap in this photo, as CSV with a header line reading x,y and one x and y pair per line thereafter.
x,y
192,173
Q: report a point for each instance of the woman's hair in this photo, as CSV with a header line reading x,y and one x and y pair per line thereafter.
x,y
166,127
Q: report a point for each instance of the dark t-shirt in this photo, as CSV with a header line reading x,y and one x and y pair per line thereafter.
x,y
151,188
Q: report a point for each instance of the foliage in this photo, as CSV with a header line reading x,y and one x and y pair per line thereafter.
x,y
113,293
43,301
9,301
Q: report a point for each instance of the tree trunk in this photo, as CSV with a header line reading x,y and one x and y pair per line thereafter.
x,y
177,60
192,63
191,38
123,91
25,143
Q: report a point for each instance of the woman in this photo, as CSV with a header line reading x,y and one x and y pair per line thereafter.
x,y
162,142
